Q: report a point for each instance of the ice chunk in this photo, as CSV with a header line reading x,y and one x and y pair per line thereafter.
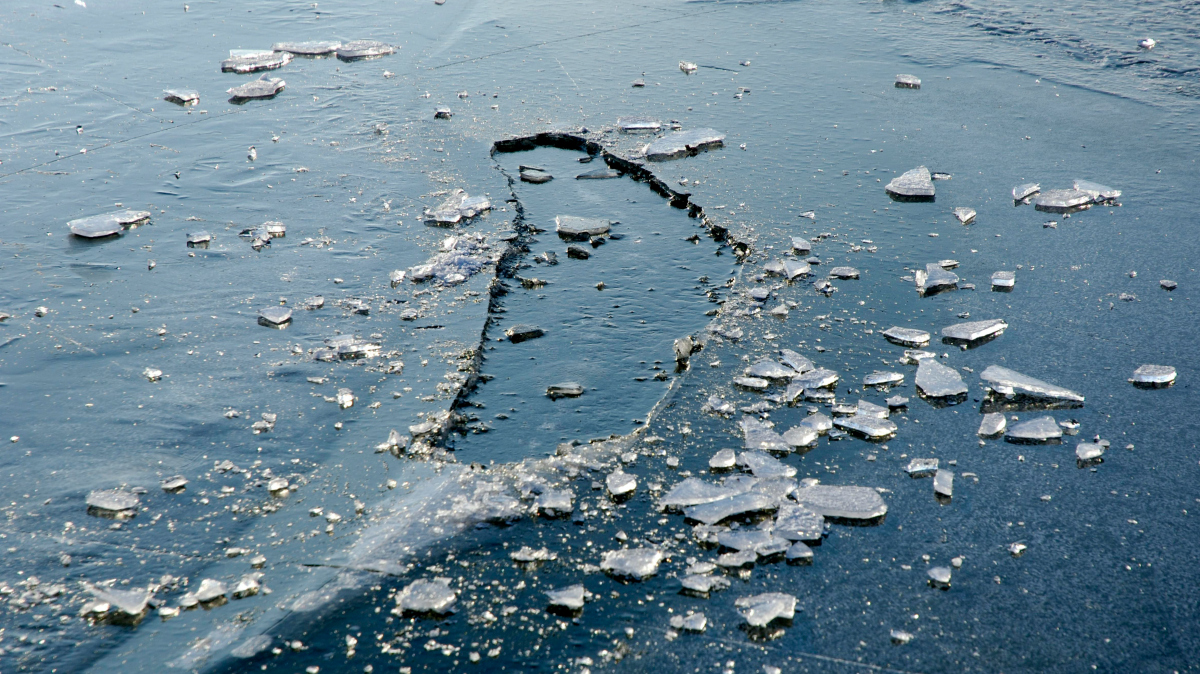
x,y
174,485
568,389
567,599
310,48
684,143
521,332
126,607
112,503
363,49
181,96
844,272
554,503
693,622
993,424
769,369
795,361
443,112
914,185
732,506
457,207
1099,193
687,67
801,245
1023,192
107,224
965,215
906,336
723,460
275,316
764,465
620,484
896,402
533,174
798,523
1060,201
974,331
819,378
908,82
528,555
1153,376
1147,43
631,563
801,436
842,502
752,383
799,553
734,561
255,61
1089,451
761,542
1038,431
574,228
599,174
260,88
921,467
249,647
762,609
818,422
943,483
638,124
758,435
702,585
428,597
881,378
715,405
934,279
694,491
247,586
210,591
1004,280
939,577
867,427
795,268
1008,383
935,380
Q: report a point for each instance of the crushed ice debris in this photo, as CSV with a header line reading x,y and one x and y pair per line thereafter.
x,y
457,207
762,609
309,48
569,600
363,49
534,174
427,597
266,87
1153,376
521,332
152,374
974,331
939,577
693,622
112,503
631,563
842,502
1009,384
1004,280
906,336
943,483
934,279
568,389
1037,431
528,555
181,96
120,607
1099,193
1023,192
1061,201
249,61
992,425
798,523
881,378
1147,43
715,405
461,257
935,380
965,215
574,228
914,185
107,224
638,124
760,435
908,82
921,467
684,143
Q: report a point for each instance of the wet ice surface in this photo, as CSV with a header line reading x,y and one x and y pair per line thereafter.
x,y
1053,337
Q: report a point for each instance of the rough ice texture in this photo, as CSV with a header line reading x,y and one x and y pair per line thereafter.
x,y
761,609
798,523
683,143
461,257
575,228
362,49
867,427
761,464
1022,192
843,502
935,380
427,596
916,183
906,336
1040,430
1061,200
732,506
106,224
631,563
935,278
758,435
993,424
254,62
263,88
974,330
456,207
1010,383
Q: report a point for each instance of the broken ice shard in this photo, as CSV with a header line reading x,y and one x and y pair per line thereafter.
x,y
573,228
701,585
921,467
1089,451
1061,201
533,174
795,361
818,422
521,332
842,502
819,378
939,577
769,369
310,48
752,383
732,506
908,82
260,88
445,113
897,402
210,591
112,503
965,215
684,143
363,49
599,174
126,607
935,380
900,637
528,555
801,245
567,599
1004,280
240,61
906,336
457,207
881,378
695,622
181,96
723,460
993,424
638,124
795,268
564,390
759,435
914,185
867,427
555,503
934,279
1023,192
1099,193
973,332
1153,376
715,405
1038,431
943,483
798,523
762,609
694,491
631,563
1009,384
620,484
800,436
763,465
869,409
275,316
107,224
426,597
174,485
844,272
